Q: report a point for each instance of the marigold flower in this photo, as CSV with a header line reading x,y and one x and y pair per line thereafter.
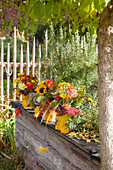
x,y
20,74
23,79
29,77
49,83
33,81
17,80
29,86
41,89
66,106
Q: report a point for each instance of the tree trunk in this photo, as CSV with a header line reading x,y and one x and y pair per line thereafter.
x,y
105,86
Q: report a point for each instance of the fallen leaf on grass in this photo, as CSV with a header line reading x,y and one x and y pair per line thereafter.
x,y
42,150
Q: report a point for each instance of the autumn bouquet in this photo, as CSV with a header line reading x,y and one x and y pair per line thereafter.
x,y
59,103
53,102
26,84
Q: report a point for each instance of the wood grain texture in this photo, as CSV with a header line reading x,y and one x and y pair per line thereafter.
x,y
64,151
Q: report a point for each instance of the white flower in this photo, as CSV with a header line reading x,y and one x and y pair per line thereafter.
x,y
22,86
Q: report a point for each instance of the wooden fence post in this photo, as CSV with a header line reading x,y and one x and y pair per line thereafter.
x,y
27,59
33,58
8,73
39,63
21,65
1,75
14,64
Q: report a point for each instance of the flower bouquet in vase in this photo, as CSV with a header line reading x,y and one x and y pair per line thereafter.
x,y
26,85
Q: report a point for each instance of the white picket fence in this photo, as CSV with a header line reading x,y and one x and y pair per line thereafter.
x,y
28,65
31,64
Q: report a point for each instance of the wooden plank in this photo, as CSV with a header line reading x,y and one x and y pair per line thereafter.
x,y
39,63
8,73
21,65
46,42
18,64
14,64
21,59
27,59
33,58
31,134
1,74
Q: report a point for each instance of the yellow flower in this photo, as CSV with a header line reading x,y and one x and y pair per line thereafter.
x,y
91,101
17,91
32,81
22,86
20,74
66,106
41,89
63,95
41,83
63,84
17,80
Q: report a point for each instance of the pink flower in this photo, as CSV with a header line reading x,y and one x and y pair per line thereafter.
x,y
72,110
73,93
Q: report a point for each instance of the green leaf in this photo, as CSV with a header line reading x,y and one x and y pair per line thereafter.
x,y
40,98
99,5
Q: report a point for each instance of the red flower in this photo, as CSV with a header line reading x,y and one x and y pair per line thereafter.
x,y
49,83
17,112
29,86
58,98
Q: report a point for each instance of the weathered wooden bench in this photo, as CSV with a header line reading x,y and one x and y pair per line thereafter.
x,y
64,152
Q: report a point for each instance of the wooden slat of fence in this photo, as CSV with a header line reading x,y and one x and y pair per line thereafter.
x,y
8,73
39,63
51,57
1,78
14,64
27,59
21,65
21,59
18,65
46,41
33,58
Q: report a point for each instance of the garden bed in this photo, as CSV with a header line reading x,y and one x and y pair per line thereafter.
x,y
64,151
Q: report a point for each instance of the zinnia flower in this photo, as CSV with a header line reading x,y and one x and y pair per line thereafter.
x,y
41,89
29,86
49,83
58,98
22,86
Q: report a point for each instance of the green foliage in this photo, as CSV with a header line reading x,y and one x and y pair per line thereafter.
x,y
87,122
68,59
7,128
84,14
